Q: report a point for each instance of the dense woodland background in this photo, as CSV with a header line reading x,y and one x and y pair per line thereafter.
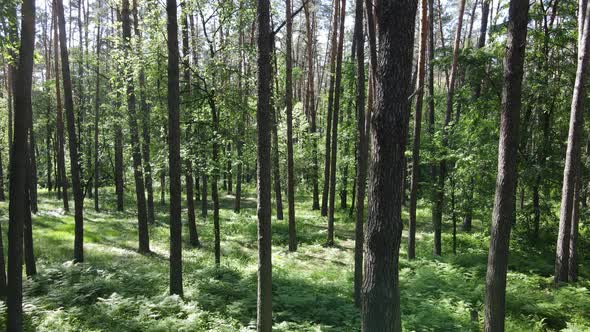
x,y
148,130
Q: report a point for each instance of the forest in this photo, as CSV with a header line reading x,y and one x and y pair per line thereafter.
x,y
294,165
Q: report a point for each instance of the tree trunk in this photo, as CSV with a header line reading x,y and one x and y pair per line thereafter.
x,y
97,117
174,150
2,198
62,181
190,204
263,123
18,170
336,109
276,170
310,103
289,106
143,230
73,144
504,204
327,163
204,187
228,171
417,129
119,181
572,157
362,153
380,292
439,204
146,124
572,272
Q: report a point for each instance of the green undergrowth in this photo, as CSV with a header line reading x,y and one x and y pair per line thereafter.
x,y
117,289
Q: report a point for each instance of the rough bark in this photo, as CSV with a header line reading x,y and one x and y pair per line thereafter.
x,y
417,128
18,175
505,199
310,109
289,107
362,151
73,144
174,150
143,230
380,293
97,118
145,125
263,123
190,205
327,163
572,157
119,181
335,110
276,170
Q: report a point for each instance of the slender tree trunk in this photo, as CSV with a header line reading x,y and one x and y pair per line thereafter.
x,y
73,144
263,123
190,204
145,124
380,293
572,272
572,157
174,150
310,103
362,151
215,179
3,287
2,198
18,175
336,109
229,169
119,181
289,106
504,204
241,122
97,117
143,230
417,128
31,267
275,144
204,187
327,163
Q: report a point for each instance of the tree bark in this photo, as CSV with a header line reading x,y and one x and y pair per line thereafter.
x,y
73,144
97,117
327,163
289,107
336,109
18,175
310,102
362,151
417,128
572,157
190,204
276,170
119,181
263,118
174,150
146,124
143,230
504,204
380,293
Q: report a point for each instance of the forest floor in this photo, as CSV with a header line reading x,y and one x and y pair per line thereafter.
x,y
117,289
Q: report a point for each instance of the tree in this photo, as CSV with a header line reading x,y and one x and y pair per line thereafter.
x,y
60,137
263,117
571,169
362,150
145,112
18,169
417,128
174,150
97,115
310,108
335,110
504,203
143,230
327,163
440,194
289,104
73,143
395,21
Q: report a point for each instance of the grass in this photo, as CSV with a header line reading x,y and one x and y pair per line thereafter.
x,y
117,289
